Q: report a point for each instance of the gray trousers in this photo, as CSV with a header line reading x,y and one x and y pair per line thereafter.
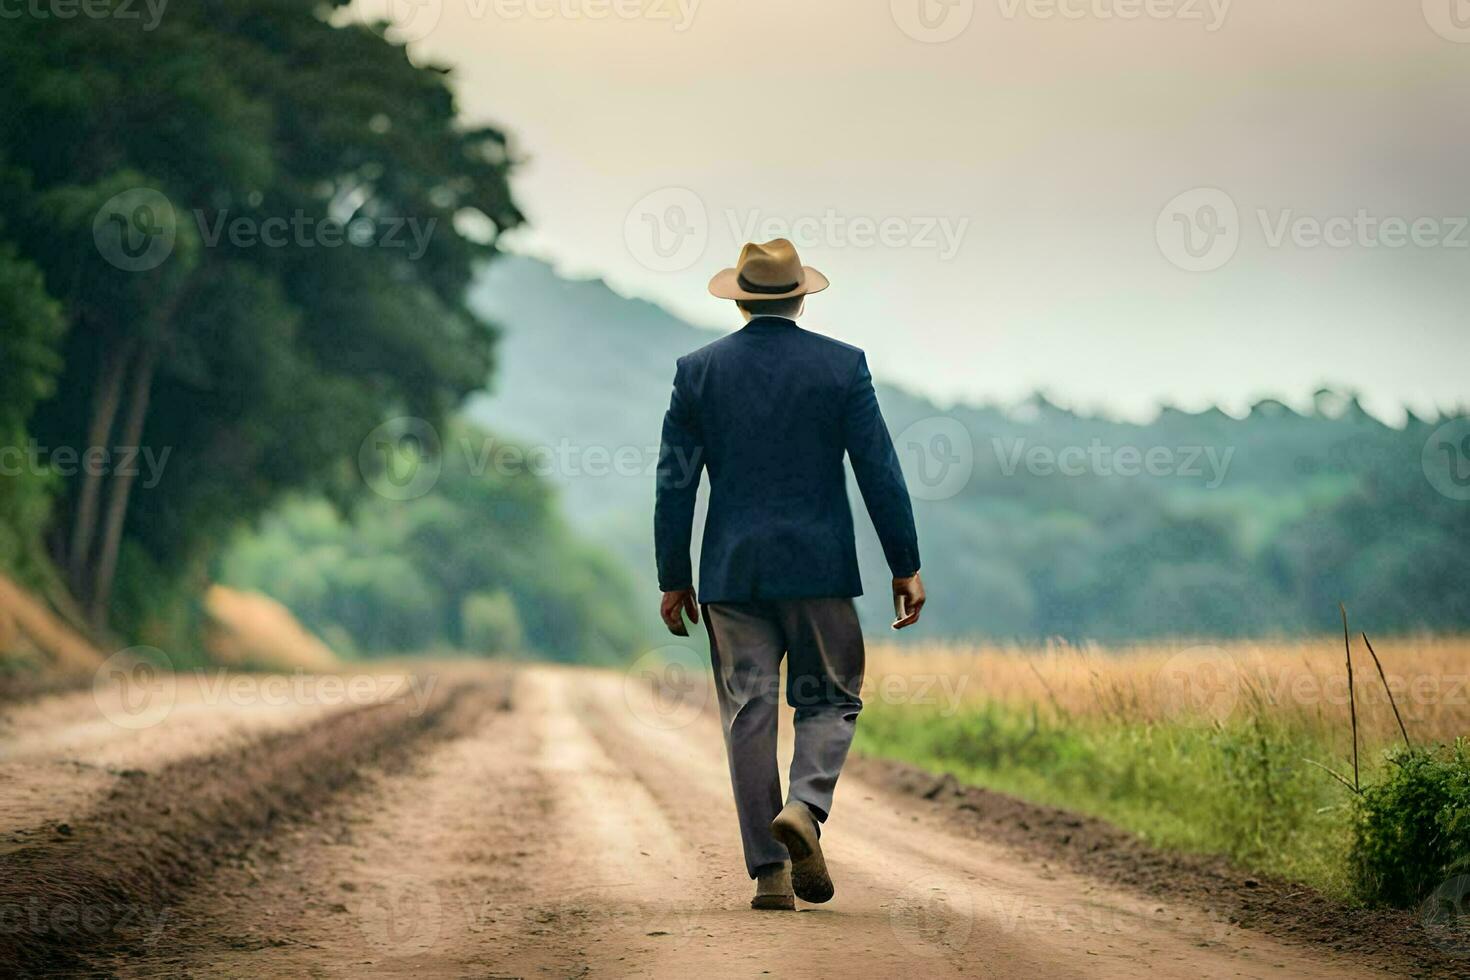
x,y
824,674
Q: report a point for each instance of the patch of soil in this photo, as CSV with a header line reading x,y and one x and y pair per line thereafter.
x,y
104,880
1392,939
20,687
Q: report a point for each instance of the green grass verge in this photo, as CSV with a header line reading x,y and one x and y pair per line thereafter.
x,y
1245,791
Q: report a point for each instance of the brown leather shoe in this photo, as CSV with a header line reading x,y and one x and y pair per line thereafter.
x,y
796,828
773,888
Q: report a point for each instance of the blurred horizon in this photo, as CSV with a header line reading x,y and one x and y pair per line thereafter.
x,y
1396,415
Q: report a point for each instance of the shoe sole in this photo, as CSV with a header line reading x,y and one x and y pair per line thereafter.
x,y
774,903
809,878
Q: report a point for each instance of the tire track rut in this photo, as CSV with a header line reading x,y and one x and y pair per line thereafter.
x,y
109,878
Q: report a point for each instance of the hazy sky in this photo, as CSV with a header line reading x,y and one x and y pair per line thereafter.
x,y
1000,211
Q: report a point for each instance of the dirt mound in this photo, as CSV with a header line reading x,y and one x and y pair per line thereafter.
x,y
29,630
248,629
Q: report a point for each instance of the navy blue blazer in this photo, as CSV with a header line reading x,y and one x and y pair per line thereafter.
x,y
769,411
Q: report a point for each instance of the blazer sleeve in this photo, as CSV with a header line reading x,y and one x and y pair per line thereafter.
x,y
870,450
680,461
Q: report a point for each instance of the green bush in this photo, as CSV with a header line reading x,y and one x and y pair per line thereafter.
x,y
489,623
1412,828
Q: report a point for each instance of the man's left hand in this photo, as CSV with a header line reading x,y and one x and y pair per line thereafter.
x,y
674,607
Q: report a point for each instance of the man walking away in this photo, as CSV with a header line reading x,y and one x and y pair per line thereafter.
x,y
769,411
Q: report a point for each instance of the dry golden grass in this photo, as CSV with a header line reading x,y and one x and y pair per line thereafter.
x,y
1300,683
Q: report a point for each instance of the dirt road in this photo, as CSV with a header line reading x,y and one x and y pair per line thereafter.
x,y
546,823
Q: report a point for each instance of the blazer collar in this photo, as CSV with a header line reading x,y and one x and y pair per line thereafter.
x,y
769,323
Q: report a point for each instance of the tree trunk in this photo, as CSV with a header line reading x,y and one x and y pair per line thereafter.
x,y
122,486
104,410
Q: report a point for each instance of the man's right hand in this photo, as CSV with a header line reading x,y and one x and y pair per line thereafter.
x,y
673,608
912,591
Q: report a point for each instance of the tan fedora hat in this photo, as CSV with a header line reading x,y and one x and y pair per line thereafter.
x,y
769,271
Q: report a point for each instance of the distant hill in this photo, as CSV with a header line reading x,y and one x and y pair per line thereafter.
x,y
1194,524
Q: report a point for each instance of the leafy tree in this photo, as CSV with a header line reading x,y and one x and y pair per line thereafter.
x,y
29,362
260,365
